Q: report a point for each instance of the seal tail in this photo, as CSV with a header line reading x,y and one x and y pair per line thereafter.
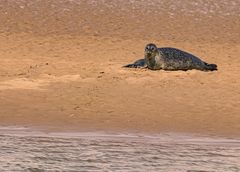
x,y
211,67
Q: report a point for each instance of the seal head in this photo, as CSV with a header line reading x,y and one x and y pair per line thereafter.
x,y
151,50
151,57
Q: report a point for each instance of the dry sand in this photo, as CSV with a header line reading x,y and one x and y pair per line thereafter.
x,y
61,66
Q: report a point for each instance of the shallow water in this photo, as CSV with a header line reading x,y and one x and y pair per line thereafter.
x,y
35,151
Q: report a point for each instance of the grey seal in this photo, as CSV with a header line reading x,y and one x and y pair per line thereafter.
x,y
168,58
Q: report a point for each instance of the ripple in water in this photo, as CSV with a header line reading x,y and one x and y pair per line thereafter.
x,y
96,152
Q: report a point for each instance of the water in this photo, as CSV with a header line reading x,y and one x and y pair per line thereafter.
x,y
35,151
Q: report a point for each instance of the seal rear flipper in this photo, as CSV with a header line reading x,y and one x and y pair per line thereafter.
x,y
130,66
211,67
137,64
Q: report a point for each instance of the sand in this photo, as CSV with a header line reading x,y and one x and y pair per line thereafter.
x,y
61,66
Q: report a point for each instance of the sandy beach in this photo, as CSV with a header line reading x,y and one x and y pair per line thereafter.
x,y
61,66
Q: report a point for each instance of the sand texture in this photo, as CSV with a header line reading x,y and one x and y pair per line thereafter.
x,y
61,65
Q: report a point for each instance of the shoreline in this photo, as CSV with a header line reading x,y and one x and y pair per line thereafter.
x,y
180,138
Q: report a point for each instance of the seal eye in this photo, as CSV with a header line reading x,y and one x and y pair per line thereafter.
x,y
152,48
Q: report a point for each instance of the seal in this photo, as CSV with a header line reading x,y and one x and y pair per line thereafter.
x,y
168,58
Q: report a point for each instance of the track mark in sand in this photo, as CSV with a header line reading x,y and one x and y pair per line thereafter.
x,y
38,84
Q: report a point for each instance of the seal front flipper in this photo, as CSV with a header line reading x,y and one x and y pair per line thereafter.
x,y
137,64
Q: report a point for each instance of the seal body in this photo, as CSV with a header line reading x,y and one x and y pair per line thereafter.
x,y
173,59
168,58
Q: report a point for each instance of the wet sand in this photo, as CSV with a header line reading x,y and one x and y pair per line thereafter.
x,y
61,66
